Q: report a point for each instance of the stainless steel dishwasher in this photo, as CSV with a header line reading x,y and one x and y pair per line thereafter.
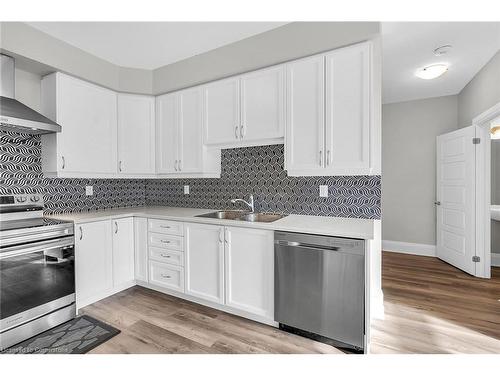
x,y
319,288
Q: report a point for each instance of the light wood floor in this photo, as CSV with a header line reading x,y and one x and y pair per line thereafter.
x,y
430,307
152,322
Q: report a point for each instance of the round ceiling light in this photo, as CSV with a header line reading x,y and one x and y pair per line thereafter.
x,y
432,71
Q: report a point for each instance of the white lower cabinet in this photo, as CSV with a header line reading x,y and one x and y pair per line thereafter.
x,y
141,248
204,250
249,270
123,252
166,275
94,262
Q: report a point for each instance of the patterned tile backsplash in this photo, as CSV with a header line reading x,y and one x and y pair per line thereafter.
x,y
257,170
21,172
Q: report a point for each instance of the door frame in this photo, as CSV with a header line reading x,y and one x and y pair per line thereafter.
x,y
483,189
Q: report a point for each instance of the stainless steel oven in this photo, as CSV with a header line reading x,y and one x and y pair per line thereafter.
x,y
37,270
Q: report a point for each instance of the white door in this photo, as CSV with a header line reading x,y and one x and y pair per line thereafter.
x,y
167,124
190,131
455,198
123,252
93,260
87,114
249,258
305,115
263,104
136,134
141,248
222,112
347,101
204,257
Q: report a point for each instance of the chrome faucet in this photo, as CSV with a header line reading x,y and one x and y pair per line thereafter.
x,y
249,203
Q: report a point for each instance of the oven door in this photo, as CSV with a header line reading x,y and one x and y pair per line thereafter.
x,y
35,279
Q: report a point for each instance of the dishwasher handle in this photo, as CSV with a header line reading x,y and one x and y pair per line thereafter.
x,y
305,245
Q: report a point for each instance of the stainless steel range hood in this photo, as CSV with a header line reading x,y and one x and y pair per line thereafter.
x,y
14,115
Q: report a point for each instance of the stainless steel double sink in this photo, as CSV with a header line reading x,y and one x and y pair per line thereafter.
x,y
261,217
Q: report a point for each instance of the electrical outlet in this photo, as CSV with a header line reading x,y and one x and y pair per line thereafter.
x,y
186,189
323,191
89,190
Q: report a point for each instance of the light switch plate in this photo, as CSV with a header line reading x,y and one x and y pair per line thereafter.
x,y
89,190
323,191
186,189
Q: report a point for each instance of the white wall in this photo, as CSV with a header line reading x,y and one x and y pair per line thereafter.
x,y
409,131
28,88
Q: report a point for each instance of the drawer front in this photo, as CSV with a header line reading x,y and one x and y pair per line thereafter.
x,y
165,241
166,256
166,227
166,276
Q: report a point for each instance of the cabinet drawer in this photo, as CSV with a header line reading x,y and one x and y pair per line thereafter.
x,y
166,276
166,256
165,241
165,226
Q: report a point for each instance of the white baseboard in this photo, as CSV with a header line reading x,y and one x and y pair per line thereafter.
x,y
409,248
495,259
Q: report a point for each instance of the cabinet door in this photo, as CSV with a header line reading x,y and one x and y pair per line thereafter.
x,y
136,134
348,110
93,259
87,114
190,131
123,251
222,112
305,115
167,125
141,248
249,259
204,261
263,105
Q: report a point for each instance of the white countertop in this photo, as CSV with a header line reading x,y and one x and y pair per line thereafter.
x,y
323,225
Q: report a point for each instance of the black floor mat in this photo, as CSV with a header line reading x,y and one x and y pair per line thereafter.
x,y
77,336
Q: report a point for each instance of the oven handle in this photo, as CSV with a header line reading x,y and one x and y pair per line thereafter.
x,y
36,247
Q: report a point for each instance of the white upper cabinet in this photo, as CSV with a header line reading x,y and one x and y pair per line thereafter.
x,y
190,143
329,113
222,112
87,144
179,123
262,105
305,115
136,134
167,115
348,110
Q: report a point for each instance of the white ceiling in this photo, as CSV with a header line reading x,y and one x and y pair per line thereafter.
x,y
408,46
150,45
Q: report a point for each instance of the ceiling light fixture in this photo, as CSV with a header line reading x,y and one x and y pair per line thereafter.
x,y
432,71
495,132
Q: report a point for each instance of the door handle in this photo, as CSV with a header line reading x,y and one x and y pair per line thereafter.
x,y
437,203
236,131
242,131
120,165
175,165
179,165
320,158
328,157
116,227
81,233
63,162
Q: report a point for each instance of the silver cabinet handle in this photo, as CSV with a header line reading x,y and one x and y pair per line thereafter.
x,y
221,235
179,165
328,157
63,162
116,227
242,131
164,255
165,276
120,165
164,241
175,165
320,158
81,233
227,236
437,203
165,226
236,131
